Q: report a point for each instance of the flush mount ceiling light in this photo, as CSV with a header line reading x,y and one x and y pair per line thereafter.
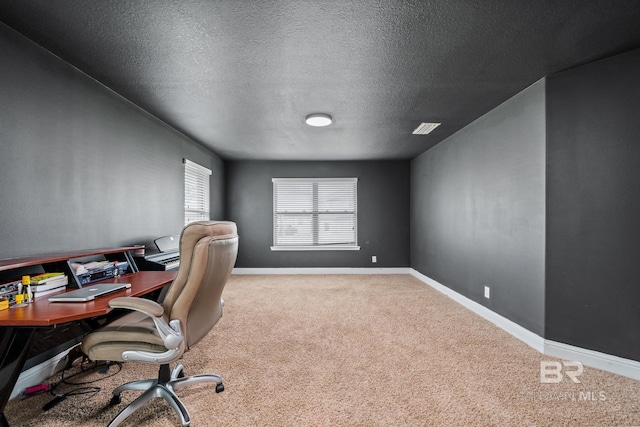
x,y
318,119
425,128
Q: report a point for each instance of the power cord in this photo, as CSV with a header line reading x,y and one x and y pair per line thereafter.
x,y
104,369
59,397
62,396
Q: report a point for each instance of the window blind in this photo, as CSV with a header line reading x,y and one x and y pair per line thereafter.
x,y
196,192
315,213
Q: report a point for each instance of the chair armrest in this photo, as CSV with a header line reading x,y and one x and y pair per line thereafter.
x,y
147,306
170,333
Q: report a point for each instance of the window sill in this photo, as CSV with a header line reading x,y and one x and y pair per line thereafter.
x,y
315,248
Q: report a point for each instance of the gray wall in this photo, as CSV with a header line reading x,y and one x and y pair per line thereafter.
x,y
593,206
383,212
478,207
80,167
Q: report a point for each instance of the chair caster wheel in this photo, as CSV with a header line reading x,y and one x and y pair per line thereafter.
x,y
115,400
219,388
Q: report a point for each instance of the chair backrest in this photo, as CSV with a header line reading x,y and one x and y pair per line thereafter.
x,y
208,251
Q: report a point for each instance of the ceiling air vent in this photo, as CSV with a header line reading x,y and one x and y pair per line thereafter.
x,y
425,128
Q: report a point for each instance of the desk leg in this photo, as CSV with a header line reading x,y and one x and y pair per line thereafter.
x,y
15,344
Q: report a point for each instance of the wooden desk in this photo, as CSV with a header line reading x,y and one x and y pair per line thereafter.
x,y
44,313
17,325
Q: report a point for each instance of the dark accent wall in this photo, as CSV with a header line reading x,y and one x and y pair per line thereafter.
x,y
593,206
383,212
81,167
477,210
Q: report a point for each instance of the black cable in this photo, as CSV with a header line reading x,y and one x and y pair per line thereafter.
x,y
75,392
59,397
82,390
95,366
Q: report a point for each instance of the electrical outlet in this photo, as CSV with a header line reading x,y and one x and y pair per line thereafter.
x,y
374,259
487,292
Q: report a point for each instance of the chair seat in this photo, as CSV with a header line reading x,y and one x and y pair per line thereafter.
x,y
133,331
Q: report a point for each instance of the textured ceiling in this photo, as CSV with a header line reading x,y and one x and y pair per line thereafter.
x,y
240,76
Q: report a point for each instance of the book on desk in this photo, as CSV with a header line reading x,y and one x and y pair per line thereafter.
x,y
50,287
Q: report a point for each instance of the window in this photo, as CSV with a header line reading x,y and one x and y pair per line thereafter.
x,y
315,214
196,192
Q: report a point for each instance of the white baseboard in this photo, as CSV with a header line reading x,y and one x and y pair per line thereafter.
x,y
523,334
39,373
321,270
606,362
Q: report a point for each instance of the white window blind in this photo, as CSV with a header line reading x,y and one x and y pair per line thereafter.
x,y
315,213
196,192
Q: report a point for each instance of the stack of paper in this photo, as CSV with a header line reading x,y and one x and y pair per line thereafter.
x,y
48,283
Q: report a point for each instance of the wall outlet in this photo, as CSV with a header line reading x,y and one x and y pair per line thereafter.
x,y
487,292
374,259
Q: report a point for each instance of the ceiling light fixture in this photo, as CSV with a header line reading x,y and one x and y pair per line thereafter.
x,y
425,128
318,119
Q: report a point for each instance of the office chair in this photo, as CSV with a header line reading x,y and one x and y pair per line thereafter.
x,y
160,334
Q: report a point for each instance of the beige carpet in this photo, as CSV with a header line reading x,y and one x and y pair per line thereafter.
x,y
351,350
